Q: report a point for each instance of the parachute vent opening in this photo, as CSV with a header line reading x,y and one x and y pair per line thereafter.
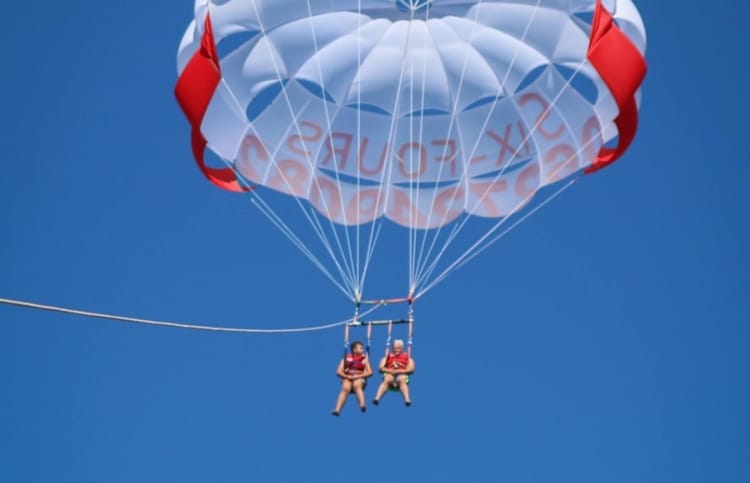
x,y
345,178
369,108
482,102
531,77
414,5
264,99
426,185
414,9
580,83
316,90
427,112
585,17
505,170
233,42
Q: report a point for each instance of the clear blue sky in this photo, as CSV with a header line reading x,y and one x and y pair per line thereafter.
x,y
606,340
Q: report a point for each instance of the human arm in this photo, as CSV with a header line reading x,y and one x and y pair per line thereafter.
x,y
340,371
368,369
381,366
410,367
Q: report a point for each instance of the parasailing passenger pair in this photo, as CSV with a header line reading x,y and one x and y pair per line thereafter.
x,y
354,370
396,365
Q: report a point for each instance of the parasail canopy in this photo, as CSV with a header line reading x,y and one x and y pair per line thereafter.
x,y
426,113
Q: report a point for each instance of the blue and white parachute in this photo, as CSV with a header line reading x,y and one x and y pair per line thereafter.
x,y
422,112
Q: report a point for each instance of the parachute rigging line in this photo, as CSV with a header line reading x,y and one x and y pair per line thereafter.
x,y
284,228
474,249
422,263
349,275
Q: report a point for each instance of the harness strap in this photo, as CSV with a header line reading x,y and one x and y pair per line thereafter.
x,y
411,328
346,334
388,340
369,338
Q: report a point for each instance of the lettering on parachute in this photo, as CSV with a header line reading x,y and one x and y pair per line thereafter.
x,y
430,181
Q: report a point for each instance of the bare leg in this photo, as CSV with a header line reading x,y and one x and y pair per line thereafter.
x,y
358,386
404,388
346,388
387,381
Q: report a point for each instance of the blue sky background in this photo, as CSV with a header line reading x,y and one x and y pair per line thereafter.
x,y
606,340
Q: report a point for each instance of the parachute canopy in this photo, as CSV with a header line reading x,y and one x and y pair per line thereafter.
x,y
416,111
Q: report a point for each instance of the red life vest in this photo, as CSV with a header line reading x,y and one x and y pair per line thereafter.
x,y
354,362
400,361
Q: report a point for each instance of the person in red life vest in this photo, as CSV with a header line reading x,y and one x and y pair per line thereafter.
x,y
396,368
354,369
